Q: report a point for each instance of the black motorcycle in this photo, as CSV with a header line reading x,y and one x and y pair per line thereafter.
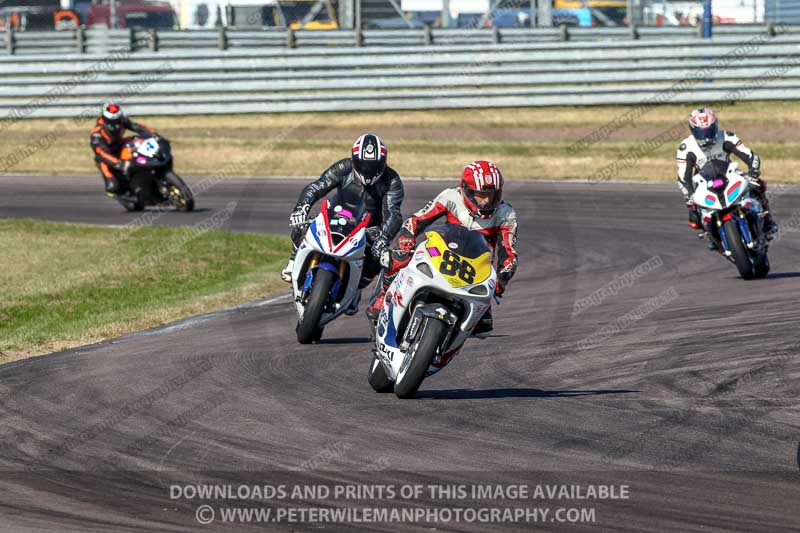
x,y
152,181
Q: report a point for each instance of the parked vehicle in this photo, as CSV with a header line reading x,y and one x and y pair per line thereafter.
x,y
144,15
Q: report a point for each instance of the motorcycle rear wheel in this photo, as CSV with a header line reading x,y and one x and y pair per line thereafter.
x,y
378,379
131,205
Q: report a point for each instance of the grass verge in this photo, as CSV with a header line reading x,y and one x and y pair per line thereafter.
x,y
66,285
526,143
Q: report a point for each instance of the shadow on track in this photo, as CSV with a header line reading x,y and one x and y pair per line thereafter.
x,y
466,394
345,340
781,275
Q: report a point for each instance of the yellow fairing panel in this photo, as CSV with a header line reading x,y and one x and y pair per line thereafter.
x,y
458,270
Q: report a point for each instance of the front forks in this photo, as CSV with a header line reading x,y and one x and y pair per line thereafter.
x,y
744,230
313,264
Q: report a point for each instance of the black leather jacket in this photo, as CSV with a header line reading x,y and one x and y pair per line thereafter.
x,y
106,144
382,200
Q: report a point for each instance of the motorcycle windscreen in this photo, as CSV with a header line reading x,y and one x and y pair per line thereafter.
x,y
460,255
345,211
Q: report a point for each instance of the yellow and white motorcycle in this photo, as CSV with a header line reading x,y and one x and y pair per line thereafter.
x,y
431,308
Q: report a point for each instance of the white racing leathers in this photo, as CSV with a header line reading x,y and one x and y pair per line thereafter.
x,y
500,229
691,157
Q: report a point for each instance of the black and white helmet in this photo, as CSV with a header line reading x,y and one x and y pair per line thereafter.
x,y
369,159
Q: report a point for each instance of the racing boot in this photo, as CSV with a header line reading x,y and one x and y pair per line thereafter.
x,y
484,326
353,309
374,309
397,260
111,185
286,273
770,226
694,219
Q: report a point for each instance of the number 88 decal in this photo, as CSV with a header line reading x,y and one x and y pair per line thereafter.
x,y
452,265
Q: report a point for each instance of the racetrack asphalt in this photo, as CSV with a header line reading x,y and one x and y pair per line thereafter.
x,y
679,380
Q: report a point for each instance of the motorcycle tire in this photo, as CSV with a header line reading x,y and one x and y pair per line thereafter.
x,y
131,206
378,379
308,329
180,196
762,267
739,254
423,351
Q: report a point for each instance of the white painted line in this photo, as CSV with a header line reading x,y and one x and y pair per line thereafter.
x,y
199,319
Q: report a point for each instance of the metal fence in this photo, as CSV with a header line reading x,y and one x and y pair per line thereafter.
x,y
783,11
97,40
248,80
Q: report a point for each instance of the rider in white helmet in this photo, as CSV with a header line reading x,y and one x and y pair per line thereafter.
x,y
708,143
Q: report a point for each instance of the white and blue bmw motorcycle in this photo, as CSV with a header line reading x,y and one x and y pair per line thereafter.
x,y
328,265
733,219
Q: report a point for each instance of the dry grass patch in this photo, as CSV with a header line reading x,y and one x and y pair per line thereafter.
x,y
526,143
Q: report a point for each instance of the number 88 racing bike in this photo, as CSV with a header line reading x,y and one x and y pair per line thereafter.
x,y
734,220
431,308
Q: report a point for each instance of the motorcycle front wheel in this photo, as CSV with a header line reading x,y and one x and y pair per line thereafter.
x,y
739,254
423,351
308,329
178,193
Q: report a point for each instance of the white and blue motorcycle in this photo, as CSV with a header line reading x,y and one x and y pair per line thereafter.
x,y
733,219
431,308
328,265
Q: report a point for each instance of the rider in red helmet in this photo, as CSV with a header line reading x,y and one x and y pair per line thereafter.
x,y
477,204
107,139
708,143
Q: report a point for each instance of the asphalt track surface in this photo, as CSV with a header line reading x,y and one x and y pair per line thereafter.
x,y
691,400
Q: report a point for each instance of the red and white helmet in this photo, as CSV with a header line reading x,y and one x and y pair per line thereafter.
x,y
482,176
113,115
703,123
369,159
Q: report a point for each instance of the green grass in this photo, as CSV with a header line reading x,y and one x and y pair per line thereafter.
x,y
525,143
66,285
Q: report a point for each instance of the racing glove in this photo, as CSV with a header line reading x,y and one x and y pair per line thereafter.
x,y
757,183
406,242
124,168
299,216
384,258
379,246
755,167
502,281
